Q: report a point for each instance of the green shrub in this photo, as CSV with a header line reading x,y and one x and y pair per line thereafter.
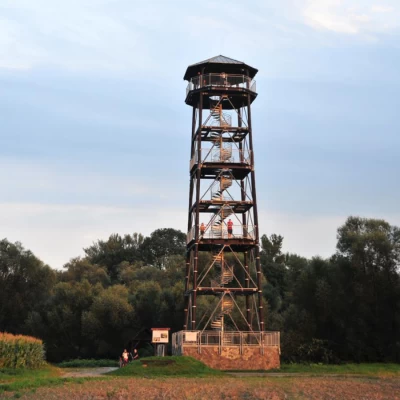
x,y
167,366
88,363
18,351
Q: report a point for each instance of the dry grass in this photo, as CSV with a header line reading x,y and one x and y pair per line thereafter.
x,y
293,388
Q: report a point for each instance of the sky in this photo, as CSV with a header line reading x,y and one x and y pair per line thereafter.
x,y
95,133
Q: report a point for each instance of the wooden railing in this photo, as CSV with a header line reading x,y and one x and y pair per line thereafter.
x,y
241,339
221,80
215,155
221,232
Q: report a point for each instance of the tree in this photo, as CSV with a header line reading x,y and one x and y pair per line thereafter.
x,y
273,261
343,308
110,321
274,269
162,244
25,283
78,269
272,248
369,256
147,300
59,321
117,249
371,245
309,328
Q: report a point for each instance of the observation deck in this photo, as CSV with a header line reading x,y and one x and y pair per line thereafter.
x,y
213,160
242,237
235,87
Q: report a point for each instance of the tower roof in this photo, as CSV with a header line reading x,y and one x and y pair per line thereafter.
x,y
219,59
220,64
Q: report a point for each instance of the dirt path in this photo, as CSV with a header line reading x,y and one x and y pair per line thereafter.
x,y
87,372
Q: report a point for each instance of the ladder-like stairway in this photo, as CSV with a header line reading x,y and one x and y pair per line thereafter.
x,y
225,275
225,149
217,226
225,182
226,308
223,119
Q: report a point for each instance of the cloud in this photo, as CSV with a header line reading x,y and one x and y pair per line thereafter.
x,y
310,235
55,209
56,215
360,19
51,180
57,232
382,9
74,35
68,183
90,188
133,37
16,51
307,236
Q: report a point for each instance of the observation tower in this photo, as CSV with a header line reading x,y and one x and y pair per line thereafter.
x,y
224,314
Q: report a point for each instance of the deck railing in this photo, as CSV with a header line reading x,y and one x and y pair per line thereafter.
x,y
221,232
215,155
221,80
224,338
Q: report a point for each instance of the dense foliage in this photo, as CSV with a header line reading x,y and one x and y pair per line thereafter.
x,y
346,308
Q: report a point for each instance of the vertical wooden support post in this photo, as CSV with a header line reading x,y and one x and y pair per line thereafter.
x,y
257,238
196,224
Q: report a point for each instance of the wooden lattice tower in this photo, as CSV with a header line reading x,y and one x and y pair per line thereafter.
x,y
223,236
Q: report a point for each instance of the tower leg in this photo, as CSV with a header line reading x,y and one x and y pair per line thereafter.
x,y
260,295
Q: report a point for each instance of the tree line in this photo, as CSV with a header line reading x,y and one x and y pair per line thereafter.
x,y
344,308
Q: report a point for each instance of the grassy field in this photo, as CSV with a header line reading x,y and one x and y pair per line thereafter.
x,y
186,378
20,380
17,380
374,369
166,367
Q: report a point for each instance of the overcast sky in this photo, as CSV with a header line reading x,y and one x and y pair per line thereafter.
x,y
94,131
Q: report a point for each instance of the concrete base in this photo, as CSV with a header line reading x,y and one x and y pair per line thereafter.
x,y
231,359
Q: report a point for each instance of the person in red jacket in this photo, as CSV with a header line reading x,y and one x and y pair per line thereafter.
x,y
230,228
